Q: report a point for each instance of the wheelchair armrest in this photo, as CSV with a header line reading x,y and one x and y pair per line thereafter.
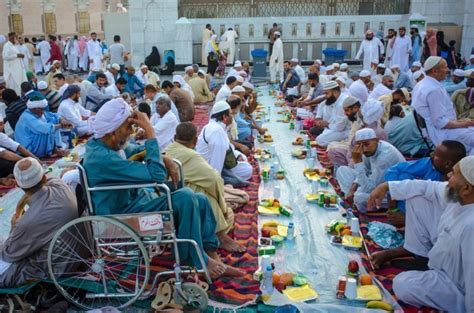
x,y
108,187
181,173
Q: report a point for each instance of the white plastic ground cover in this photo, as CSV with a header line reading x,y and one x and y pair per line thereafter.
x,y
310,253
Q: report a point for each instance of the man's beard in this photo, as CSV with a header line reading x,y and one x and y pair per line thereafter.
x,y
452,194
330,100
369,38
352,117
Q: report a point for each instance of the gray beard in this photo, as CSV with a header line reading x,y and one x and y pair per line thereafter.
x,y
452,195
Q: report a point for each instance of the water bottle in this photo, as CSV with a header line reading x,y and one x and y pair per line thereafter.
x,y
290,234
349,216
268,281
269,111
314,187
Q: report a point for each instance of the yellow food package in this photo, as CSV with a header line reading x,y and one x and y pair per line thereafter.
x,y
301,294
368,293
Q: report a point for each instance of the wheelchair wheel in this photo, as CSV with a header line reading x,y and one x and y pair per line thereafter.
x,y
96,261
196,297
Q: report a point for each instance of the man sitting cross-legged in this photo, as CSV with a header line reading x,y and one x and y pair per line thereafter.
x,y
106,163
201,177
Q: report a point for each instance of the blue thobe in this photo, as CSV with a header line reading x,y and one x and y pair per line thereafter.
x,y
244,127
416,49
403,81
192,212
38,134
422,169
451,87
134,85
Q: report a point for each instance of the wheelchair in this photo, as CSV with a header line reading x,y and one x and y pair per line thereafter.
x,y
96,261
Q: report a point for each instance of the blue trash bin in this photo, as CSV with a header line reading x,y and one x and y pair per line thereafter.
x,y
332,55
259,57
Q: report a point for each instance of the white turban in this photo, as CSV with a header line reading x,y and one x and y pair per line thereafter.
x,y
395,66
28,172
115,66
188,68
341,80
336,65
329,68
344,67
417,64
240,79
381,65
365,134
417,74
330,85
37,104
406,93
277,33
219,107
143,67
238,64
364,73
459,73
431,62
179,79
202,72
372,111
110,117
238,89
319,61
466,165
375,61
42,85
248,85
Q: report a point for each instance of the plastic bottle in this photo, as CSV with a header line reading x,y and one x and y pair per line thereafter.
x,y
290,235
267,284
349,216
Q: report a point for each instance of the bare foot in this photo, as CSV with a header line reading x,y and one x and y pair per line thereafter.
x,y
7,182
216,269
397,219
213,255
229,244
233,272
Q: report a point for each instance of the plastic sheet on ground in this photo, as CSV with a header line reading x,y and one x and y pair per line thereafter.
x,y
311,252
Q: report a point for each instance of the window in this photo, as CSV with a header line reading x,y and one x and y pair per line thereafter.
x,y
49,23
83,22
16,23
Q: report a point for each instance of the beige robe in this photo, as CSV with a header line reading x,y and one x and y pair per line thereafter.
x,y
201,177
206,36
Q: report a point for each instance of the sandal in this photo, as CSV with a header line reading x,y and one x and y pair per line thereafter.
x,y
164,293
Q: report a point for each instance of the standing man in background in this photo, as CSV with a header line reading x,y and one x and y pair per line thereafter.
x,y
14,71
94,51
371,47
230,36
401,50
271,36
276,59
416,44
117,53
206,36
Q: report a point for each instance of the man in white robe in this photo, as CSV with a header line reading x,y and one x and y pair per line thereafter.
x,y
372,157
295,64
448,285
330,117
206,36
384,88
276,60
401,50
359,88
371,47
44,49
72,52
164,122
432,102
23,48
71,110
14,71
94,51
230,36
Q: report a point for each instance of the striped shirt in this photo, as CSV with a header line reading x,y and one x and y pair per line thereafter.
x,y
14,111
54,99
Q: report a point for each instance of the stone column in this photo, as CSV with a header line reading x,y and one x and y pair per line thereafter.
x,y
183,41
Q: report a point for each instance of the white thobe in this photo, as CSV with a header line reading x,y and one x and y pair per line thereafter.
x,y
94,51
230,36
62,89
72,50
14,71
213,143
359,90
112,91
276,61
75,113
26,60
7,143
339,126
372,49
206,36
379,90
165,128
388,51
448,285
301,74
369,173
44,49
110,78
401,52
223,93
432,102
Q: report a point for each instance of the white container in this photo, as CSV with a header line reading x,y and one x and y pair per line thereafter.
x,y
351,288
276,192
355,227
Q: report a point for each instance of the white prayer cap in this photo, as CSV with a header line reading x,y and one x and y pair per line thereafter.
x,y
381,65
277,33
416,63
219,107
414,26
37,103
188,68
238,89
110,117
294,60
406,93
431,62
394,66
364,73
329,68
417,74
202,72
365,134
248,85
330,85
28,172
344,66
459,73
179,79
341,80
42,85
238,64
372,111
240,79
466,165
115,66
375,61
349,101
143,67
318,61
336,65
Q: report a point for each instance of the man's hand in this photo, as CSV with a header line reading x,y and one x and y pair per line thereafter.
x,y
357,153
141,120
377,196
20,55
262,131
172,169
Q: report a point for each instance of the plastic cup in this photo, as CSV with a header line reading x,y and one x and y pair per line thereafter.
x,y
276,192
351,288
355,226
265,261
